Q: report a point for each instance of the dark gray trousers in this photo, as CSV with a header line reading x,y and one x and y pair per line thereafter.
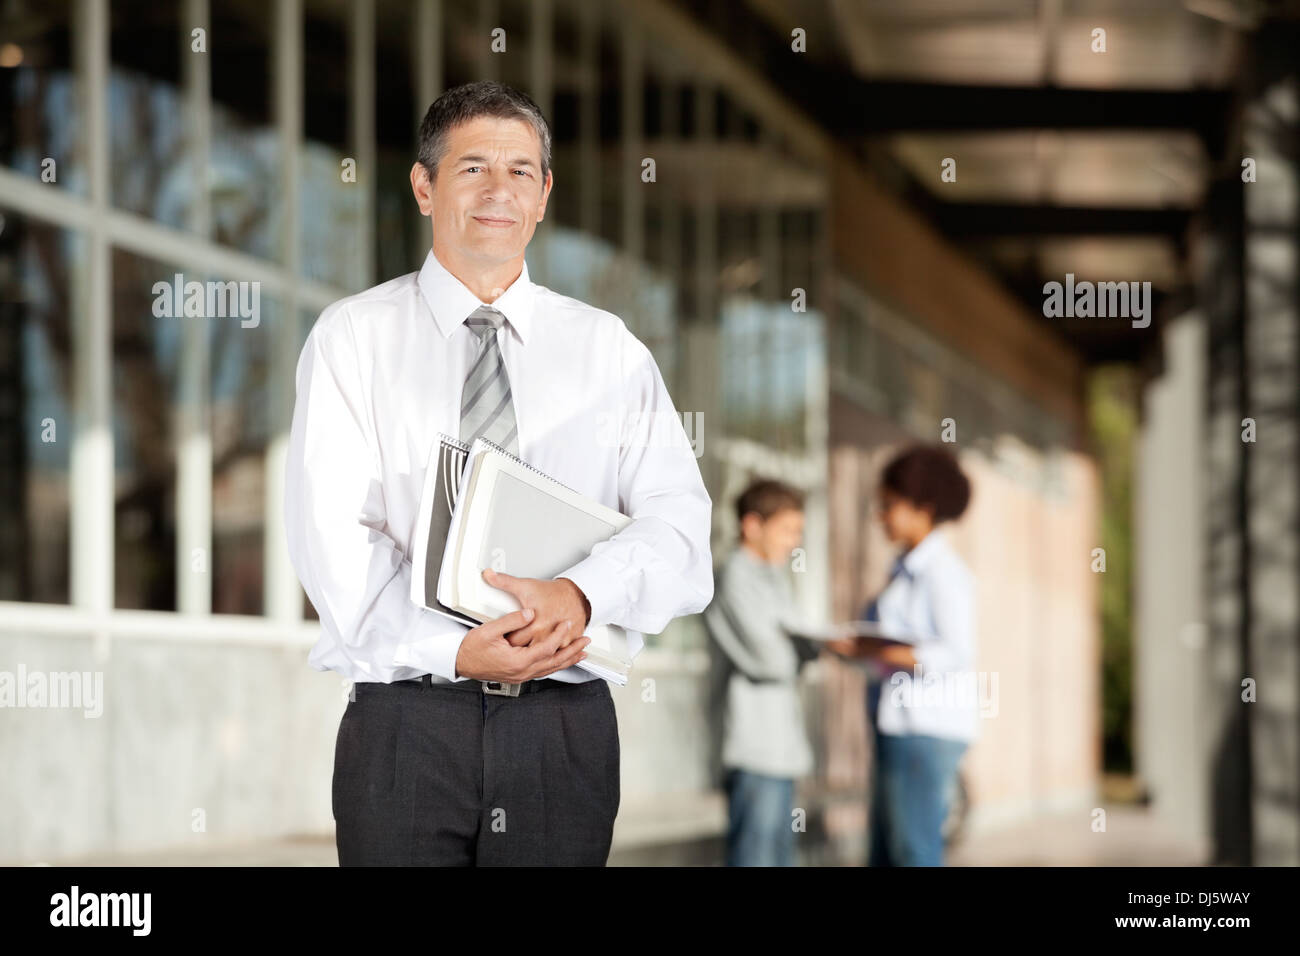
x,y
446,776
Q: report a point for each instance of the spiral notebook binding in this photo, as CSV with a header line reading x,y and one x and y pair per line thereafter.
x,y
453,442
515,458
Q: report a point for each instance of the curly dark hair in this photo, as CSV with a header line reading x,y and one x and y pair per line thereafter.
x,y
929,477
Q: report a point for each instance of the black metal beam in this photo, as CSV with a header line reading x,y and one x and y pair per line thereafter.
x,y
969,220
849,106
868,107
1098,340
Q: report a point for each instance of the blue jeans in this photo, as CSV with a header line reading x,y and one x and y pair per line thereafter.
x,y
760,829
911,782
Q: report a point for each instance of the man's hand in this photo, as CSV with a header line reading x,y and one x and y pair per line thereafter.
x,y
895,656
485,654
844,646
555,602
887,654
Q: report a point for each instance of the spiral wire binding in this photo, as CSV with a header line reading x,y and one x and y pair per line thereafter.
x,y
452,463
497,448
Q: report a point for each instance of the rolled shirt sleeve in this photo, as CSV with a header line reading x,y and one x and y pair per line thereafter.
x,y
659,566
352,569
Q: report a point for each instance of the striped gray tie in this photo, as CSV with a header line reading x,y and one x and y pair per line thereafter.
x,y
486,408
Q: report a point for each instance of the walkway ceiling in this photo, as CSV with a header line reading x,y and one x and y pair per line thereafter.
x,y
1067,160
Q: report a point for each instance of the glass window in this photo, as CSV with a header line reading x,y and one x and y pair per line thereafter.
x,y
463,43
514,66
149,171
597,273
329,230
241,357
244,179
38,94
36,426
146,362
400,231
767,353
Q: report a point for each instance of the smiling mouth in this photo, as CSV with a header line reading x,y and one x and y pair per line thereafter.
x,y
491,221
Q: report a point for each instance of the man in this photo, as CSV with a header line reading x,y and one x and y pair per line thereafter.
x,y
485,745
755,623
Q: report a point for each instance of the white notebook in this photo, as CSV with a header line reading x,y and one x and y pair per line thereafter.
x,y
517,519
871,629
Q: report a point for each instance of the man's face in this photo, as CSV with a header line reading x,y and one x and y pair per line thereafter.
x,y
778,536
488,194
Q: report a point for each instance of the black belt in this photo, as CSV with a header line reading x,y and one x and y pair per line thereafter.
x,y
497,687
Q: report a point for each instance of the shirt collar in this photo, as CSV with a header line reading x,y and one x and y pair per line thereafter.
x,y
919,556
452,303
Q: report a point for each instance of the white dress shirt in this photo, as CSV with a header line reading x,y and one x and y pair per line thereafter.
x,y
931,593
381,374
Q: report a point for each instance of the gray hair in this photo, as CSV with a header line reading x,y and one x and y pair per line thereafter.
x,y
470,101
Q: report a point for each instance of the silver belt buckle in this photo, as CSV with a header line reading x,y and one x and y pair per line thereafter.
x,y
500,688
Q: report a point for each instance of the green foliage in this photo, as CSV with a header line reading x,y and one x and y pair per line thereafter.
x,y
1112,412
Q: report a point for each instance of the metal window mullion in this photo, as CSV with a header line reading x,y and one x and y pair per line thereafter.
x,y
701,373
769,232
281,590
194,554
818,596
706,209
91,485
772,252
427,60
196,81
427,68
133,233
671,209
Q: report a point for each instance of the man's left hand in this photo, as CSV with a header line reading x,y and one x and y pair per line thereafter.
x,y
844,646
895,656
553,602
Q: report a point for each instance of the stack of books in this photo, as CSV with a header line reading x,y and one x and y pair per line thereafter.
x,y
483,507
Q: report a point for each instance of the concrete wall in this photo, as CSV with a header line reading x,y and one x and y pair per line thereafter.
x,y
223,716
232,727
